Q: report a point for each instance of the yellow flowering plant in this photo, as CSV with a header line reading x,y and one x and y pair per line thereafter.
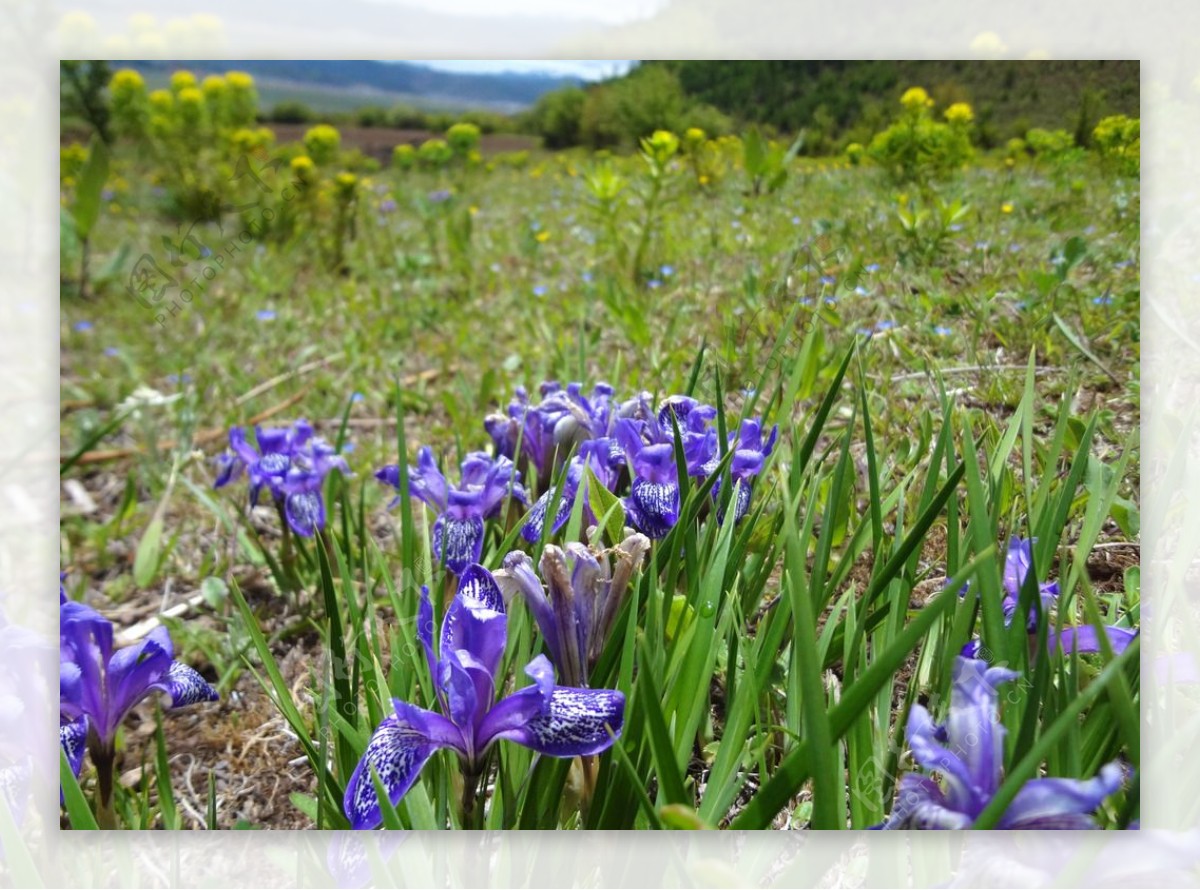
x,y
322,143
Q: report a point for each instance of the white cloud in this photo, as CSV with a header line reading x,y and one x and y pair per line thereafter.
x,y
588,69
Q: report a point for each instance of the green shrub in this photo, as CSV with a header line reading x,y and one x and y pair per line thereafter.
x,y
1118,138
916,148
322,143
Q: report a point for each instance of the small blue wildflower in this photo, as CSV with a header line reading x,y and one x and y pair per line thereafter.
x,y
957,227
265,315
82,326
111,351
587,277
388,205
357,397
828,280
862,291
1103,300
653,284
205,251
107,195
982,245
830,301
871,267
795,220
1123,264
539,290
942,330
884,325
667,271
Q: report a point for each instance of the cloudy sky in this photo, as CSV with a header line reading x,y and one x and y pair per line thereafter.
x,y
588,69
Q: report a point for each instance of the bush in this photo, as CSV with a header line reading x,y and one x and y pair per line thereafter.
x,y
322,143
404,157
129,104
917,148
434,154
405,117
463,139
558,118
291,112
242,98
1118,138
1052,145
373,116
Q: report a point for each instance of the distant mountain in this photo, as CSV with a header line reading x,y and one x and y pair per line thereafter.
x,y
377,82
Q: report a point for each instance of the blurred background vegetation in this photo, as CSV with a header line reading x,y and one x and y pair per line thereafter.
x,y
835,103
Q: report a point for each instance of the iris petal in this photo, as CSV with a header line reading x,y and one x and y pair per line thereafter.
x,y
457,542
653,507
398,750
921,804
305,512
574,722
185,686
1085,639
1042,802
73,739
922,734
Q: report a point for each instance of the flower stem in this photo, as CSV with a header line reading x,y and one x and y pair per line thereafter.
x,y
472,814
291,583
104,761
588,762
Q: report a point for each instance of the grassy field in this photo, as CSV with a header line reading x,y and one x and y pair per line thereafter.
x,y
948,366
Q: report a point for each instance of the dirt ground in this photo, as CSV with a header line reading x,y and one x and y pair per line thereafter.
x,y
378,142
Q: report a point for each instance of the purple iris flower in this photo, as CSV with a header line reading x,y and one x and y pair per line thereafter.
x,y
545,433
458,529
291,463
1082,639
750,452
585,594
99,686
595,454
968,751
557,721
691,415
653,502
